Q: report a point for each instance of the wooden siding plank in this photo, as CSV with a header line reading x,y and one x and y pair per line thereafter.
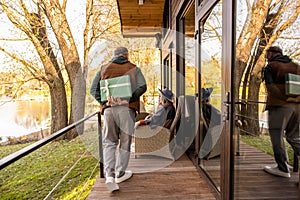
x,y
141,11
135,17
147,4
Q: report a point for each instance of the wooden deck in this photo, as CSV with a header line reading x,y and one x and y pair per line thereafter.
x,y
251,182
158,178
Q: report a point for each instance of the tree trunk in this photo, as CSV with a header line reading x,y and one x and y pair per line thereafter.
x,y
251,29
252,127
245,84
59,112
71,59
255,79
77,103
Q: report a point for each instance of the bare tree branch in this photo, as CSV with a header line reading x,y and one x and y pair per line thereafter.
x,y
32,69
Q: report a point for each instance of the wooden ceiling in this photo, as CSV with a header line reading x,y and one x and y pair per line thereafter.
x,y
141,20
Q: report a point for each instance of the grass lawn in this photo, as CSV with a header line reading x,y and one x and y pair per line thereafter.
x,y
263,142
35,175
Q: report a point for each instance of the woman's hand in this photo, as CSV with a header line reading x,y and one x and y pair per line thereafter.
x,y
136,125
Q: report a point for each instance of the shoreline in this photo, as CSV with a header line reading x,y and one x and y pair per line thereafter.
x,y
5,99
31,137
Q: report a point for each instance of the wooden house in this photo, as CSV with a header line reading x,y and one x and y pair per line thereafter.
x,y
196,39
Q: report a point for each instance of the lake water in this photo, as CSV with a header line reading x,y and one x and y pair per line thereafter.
x,y
22,117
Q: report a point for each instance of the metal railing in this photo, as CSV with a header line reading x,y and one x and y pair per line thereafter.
x,y
6,161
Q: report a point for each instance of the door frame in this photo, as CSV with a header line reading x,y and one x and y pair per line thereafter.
x,y
202,8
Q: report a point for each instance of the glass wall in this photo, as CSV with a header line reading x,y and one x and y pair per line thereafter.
x,y
190,67
260,25
211,90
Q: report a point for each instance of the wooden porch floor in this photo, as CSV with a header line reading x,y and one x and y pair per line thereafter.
x,y
158,178
251,182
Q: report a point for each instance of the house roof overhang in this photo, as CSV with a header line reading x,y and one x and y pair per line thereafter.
x,y
143,20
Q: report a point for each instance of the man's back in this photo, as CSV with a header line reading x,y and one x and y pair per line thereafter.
x,y
274,76
281,66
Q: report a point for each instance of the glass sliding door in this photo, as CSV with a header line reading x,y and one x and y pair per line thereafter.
x,y
211,93
187,74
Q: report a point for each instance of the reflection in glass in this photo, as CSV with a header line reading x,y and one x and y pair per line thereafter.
x,y
210,64
190,68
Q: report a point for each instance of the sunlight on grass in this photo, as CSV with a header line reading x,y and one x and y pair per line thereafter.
x,y
82,191
263,143
35,175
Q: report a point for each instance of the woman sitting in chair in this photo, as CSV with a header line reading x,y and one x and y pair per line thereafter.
x,y
165,114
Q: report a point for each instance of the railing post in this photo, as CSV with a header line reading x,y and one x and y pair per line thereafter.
x,y
295,164
298,158
100,145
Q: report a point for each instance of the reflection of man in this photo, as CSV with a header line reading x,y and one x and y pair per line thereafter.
x,y
212,117
118,117
283,116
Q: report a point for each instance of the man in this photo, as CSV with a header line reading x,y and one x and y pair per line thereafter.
x,y
118,117
284,114
165,114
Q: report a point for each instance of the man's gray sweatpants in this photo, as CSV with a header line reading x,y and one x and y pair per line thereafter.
x,y
118,130
284,119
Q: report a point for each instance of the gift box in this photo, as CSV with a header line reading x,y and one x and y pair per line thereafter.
x,y
115,87
292,84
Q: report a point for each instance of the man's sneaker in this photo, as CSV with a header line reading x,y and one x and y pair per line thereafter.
x,y
289,166
277,172
111,184
124,177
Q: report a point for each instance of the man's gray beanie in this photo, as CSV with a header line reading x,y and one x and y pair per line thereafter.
x,y
121,50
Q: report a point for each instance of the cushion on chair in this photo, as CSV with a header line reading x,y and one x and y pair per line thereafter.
x,y
152,141
158,141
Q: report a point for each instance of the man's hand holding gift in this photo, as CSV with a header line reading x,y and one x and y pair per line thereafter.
x,y
294,99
